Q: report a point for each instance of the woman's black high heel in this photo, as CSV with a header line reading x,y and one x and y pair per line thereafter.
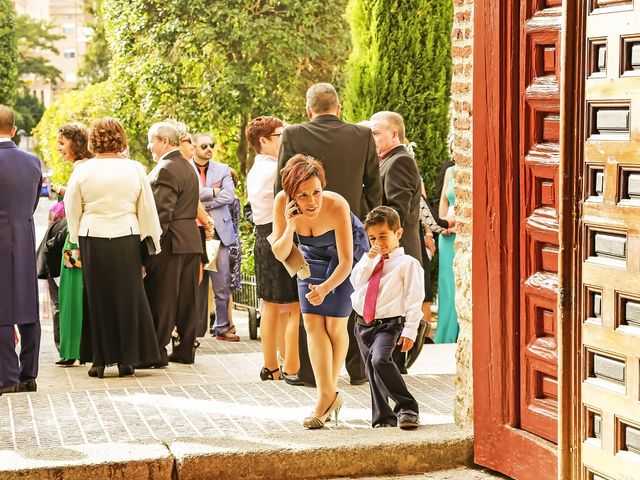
x,y
266,374
66,362
96,371
125,370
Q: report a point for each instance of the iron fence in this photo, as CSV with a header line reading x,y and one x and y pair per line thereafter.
x,y
247,296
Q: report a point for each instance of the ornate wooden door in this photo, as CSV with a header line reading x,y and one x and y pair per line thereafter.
x,y
515,235
609,318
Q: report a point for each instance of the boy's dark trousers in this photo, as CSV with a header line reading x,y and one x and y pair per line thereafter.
x,y
377,343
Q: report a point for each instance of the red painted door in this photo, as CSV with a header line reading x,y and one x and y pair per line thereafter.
x,y
515,235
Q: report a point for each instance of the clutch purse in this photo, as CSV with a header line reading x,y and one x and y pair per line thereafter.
x,y
295,262
213,248
72,258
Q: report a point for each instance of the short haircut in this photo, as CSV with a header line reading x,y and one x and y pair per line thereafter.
x,y
394,120
7,119
322,98
383,216
163,130
298,170
261,127
78,136
107,135
202,134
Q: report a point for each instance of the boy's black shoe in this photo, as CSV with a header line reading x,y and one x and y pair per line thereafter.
x,y
408,421
28,386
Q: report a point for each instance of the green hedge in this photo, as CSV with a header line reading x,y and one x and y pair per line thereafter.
x,y
401,61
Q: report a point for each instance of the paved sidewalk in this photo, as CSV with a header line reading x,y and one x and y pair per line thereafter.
x,y
216,419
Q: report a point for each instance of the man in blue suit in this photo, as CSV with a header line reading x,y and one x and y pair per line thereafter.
x,y
20,181
217,192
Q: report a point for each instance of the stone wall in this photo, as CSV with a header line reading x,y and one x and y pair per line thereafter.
x,y
462,87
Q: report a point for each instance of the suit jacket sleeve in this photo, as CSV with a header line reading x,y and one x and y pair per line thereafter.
x,y
286,152
165,193
73,206
371,180
226,195
399,185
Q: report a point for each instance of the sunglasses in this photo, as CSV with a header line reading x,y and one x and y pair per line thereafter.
x,y
204,146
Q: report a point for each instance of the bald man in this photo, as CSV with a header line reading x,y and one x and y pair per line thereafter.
x,y
20,181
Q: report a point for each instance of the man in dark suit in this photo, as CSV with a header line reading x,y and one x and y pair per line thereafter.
x,y
171,282
401,190
20,180
348,155
400,178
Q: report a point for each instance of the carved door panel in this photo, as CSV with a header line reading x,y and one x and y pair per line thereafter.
x,y
610,244
516,148
541,22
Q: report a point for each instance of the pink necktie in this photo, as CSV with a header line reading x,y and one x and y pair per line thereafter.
x,y
371,296
203,175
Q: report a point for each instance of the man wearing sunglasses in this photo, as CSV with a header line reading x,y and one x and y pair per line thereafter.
x,y
216,194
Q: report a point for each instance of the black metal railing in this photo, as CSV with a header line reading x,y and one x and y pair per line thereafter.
x,y
247,296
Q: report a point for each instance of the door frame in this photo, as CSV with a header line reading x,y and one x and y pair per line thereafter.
x,y
572,136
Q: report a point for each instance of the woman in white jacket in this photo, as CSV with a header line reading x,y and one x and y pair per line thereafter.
x,y
110,211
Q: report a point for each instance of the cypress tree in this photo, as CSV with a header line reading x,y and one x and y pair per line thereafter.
x,y
9,57
401,61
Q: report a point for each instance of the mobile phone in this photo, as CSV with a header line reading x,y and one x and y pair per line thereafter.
x,y
297,210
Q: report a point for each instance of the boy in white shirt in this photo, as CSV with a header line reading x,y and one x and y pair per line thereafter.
x,y
389,290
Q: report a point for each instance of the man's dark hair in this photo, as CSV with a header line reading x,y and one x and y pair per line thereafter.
x,y
7,119
383,215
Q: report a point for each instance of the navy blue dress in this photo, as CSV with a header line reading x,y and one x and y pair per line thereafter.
x,y
321,253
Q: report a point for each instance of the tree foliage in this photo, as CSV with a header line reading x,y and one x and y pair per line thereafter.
x,y
82,106
35,37
29,111
215,65
95,61
401,61
9,53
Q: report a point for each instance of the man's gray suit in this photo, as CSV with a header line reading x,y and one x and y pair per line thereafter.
x,y
348,155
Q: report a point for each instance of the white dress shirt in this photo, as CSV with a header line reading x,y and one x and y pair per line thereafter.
x,y
260,181
401,289
5,139
111,198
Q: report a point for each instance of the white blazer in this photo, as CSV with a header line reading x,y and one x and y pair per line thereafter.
x,y
111,198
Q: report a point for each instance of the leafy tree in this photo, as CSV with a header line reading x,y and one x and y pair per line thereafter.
x,y
34,37
401,61
9,57
215,65
95,62
82,106
28,110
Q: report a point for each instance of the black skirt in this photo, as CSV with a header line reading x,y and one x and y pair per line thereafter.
x,y
120,329
273,282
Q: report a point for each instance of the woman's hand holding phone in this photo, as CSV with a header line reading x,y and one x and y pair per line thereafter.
x,y
292,212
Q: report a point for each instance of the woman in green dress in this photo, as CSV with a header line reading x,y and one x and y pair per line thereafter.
x,y
447,331
73,146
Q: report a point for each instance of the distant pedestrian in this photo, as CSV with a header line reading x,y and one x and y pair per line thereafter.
x,y
20,181
389,289
171,282
73,141
274,285
110,212
217,193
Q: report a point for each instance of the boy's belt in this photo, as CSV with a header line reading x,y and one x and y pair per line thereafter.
x,y
379,321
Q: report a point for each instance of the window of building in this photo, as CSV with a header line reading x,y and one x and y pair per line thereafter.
x,y
68,28
69,53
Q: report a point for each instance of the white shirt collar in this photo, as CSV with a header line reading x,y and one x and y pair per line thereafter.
x,y
396,251
5,139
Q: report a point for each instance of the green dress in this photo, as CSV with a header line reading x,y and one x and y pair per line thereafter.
x,y
447,331
70,298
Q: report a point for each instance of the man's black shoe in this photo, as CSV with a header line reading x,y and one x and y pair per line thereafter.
x,y
9,389
358,381
408,421
382,425
28,386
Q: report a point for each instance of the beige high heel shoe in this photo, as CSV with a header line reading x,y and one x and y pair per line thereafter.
x,y
313,421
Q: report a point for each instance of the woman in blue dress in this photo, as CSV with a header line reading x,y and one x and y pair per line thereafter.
x,y
330,237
